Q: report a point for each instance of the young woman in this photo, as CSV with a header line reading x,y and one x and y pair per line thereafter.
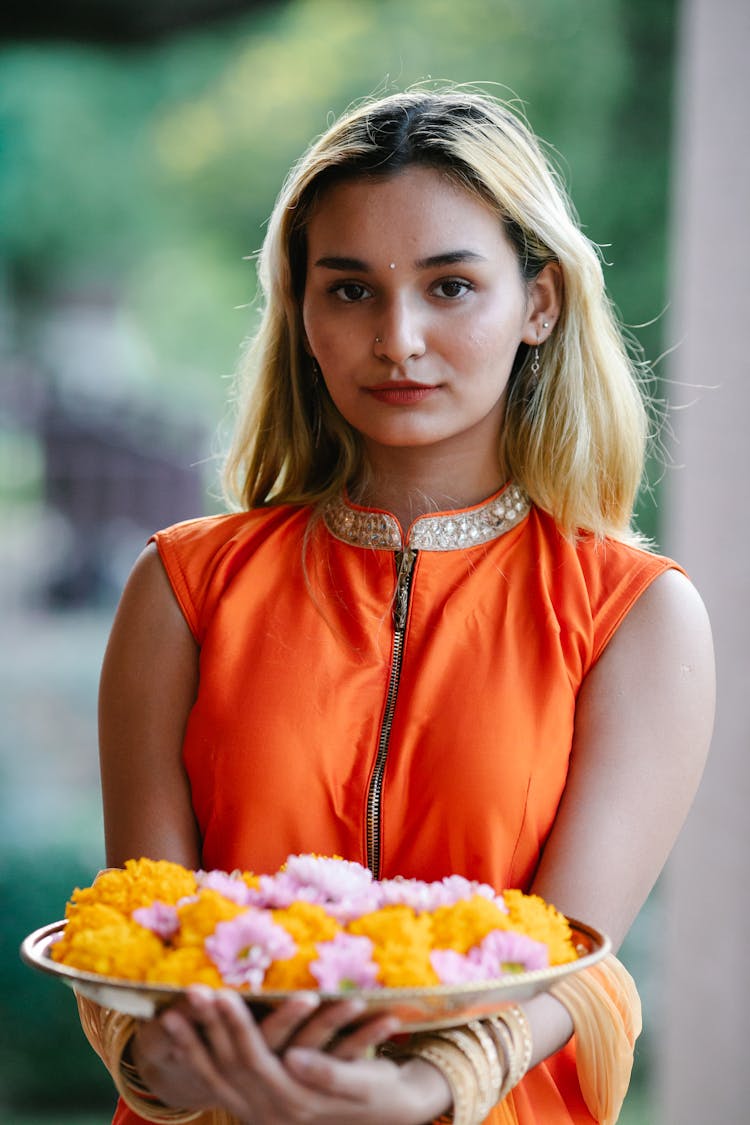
x,y
429,641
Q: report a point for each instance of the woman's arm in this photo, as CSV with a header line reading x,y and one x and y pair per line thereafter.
x,y
643,726
148,685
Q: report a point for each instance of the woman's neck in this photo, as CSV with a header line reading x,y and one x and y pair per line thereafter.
x,y
411,483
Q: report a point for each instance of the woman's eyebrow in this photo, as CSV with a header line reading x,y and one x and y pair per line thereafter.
x,y
332,263
449,258
434,261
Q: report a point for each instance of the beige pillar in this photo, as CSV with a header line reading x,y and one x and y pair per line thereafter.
x,y
704,1068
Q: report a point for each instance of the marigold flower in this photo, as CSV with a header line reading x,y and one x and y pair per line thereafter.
x,y
292,973
200,916
531,915
307,922
123,949
466,923
402,941
138,884
182,967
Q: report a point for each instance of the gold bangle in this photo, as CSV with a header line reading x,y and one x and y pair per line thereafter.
x,y
474,1052
511,1027
458,1073
109,1033
519,1022
491,1054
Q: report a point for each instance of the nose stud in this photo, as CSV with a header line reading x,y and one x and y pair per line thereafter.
x,y
378,339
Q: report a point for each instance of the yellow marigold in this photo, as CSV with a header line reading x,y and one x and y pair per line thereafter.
x,y
543,922
142,882
93,916
198,919
402,966
465,924
307,922
182,967
402,941
122,949
293,973
399,925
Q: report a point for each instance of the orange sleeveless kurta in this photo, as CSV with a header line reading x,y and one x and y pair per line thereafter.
x,y
437,747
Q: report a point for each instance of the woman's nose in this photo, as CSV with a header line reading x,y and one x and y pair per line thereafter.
x,y
400,332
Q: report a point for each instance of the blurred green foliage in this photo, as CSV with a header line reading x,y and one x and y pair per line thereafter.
x,y
44,1057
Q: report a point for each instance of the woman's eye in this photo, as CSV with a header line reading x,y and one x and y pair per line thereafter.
x,y
350,291
452,287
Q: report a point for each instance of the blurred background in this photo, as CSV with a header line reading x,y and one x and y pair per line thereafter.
x,y
142,143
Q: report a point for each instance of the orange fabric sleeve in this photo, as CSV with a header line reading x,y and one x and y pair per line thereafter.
x,y
606,1011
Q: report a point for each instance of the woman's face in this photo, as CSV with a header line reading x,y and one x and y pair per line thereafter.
x,y
414,308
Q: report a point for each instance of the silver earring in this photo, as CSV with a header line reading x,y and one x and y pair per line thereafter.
x,y
378,339
316,407
535,361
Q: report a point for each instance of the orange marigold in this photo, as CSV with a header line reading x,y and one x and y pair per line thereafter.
x,y
465,924
293,973
140,883
402,941
541,921
199,918
182,967
307,922
121,949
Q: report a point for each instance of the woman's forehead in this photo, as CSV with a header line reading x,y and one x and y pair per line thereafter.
x,y
414,210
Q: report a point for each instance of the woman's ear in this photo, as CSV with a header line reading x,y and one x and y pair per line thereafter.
x,y
544,304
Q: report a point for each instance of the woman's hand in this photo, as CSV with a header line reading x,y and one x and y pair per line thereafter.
x,y
210,1052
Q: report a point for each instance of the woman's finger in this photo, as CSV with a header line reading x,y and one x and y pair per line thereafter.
x,y
326,1025
280,1025
196,1061
361,1040
204,1012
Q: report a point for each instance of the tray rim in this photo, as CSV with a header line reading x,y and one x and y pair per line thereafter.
x,y
34,951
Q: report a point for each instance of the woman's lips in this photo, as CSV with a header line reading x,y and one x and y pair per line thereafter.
x,y
401,394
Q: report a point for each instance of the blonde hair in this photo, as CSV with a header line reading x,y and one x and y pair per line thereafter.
x,y
574,437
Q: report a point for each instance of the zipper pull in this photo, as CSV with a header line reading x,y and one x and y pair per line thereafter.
x,y
405,564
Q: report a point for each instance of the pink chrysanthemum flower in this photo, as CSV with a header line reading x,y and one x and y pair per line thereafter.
x,y
345,963
232,887
425,897
334,879
244,947
417,894
505,951
456,968
277,892
161,919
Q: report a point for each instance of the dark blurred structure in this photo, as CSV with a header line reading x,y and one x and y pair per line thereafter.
x,y
111,476
116,22
114,478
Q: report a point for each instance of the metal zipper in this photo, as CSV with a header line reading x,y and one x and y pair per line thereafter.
x,y
405,561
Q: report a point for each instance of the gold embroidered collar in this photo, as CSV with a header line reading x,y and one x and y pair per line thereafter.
x,y
444,531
